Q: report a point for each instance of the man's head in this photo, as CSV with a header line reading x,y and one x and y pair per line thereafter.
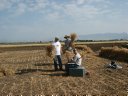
x,y
112,62
56,39
75,51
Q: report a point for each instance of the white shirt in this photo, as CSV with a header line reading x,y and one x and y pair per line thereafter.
x,y
77,59
57,46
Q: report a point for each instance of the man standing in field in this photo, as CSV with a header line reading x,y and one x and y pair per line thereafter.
x,y
57,58
67,43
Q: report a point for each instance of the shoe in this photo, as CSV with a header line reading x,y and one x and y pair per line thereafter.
x,y
56,69
87,73
62,69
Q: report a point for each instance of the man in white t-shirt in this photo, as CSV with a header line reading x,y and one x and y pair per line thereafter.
x,y
57,58
77,58
75,61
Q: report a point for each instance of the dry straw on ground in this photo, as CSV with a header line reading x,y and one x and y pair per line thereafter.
x,y
2,72
84,48
114,53
1,51
69,55
38,76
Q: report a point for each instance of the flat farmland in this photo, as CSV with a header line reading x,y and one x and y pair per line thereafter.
x,y
34,75
95,46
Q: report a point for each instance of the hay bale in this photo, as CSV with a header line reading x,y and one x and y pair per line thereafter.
x,y
114,53
105,52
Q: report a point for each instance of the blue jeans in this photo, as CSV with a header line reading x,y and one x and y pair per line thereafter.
x,y
57,61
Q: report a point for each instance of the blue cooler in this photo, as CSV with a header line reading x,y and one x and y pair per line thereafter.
x,y
73,69
79,71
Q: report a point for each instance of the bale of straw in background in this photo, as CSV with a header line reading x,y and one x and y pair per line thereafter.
x,y
114,53
105,51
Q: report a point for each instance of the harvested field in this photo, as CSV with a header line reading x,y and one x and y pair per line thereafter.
x,y
33,74
95,46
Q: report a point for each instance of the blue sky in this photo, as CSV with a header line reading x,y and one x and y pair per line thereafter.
x,y
38,20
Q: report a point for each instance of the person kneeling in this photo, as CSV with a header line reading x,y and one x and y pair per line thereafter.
x,y
75,62
76,59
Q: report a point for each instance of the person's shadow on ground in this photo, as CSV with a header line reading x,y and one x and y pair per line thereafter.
x,y
50,72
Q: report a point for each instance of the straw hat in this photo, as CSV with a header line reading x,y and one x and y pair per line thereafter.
x,y
66,36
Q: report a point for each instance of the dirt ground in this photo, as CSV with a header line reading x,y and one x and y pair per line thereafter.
x,y
34,75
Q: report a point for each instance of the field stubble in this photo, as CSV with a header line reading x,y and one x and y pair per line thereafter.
x,y
33,74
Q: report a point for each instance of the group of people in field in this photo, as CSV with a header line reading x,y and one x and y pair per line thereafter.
x,y
57,58
77,59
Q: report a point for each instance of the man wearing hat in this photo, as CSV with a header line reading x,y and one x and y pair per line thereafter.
x,y
67,43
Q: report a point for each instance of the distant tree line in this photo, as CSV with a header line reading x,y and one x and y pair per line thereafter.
x,y
41,42
85,40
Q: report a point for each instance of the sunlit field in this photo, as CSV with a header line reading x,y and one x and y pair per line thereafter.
x,y
25,70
